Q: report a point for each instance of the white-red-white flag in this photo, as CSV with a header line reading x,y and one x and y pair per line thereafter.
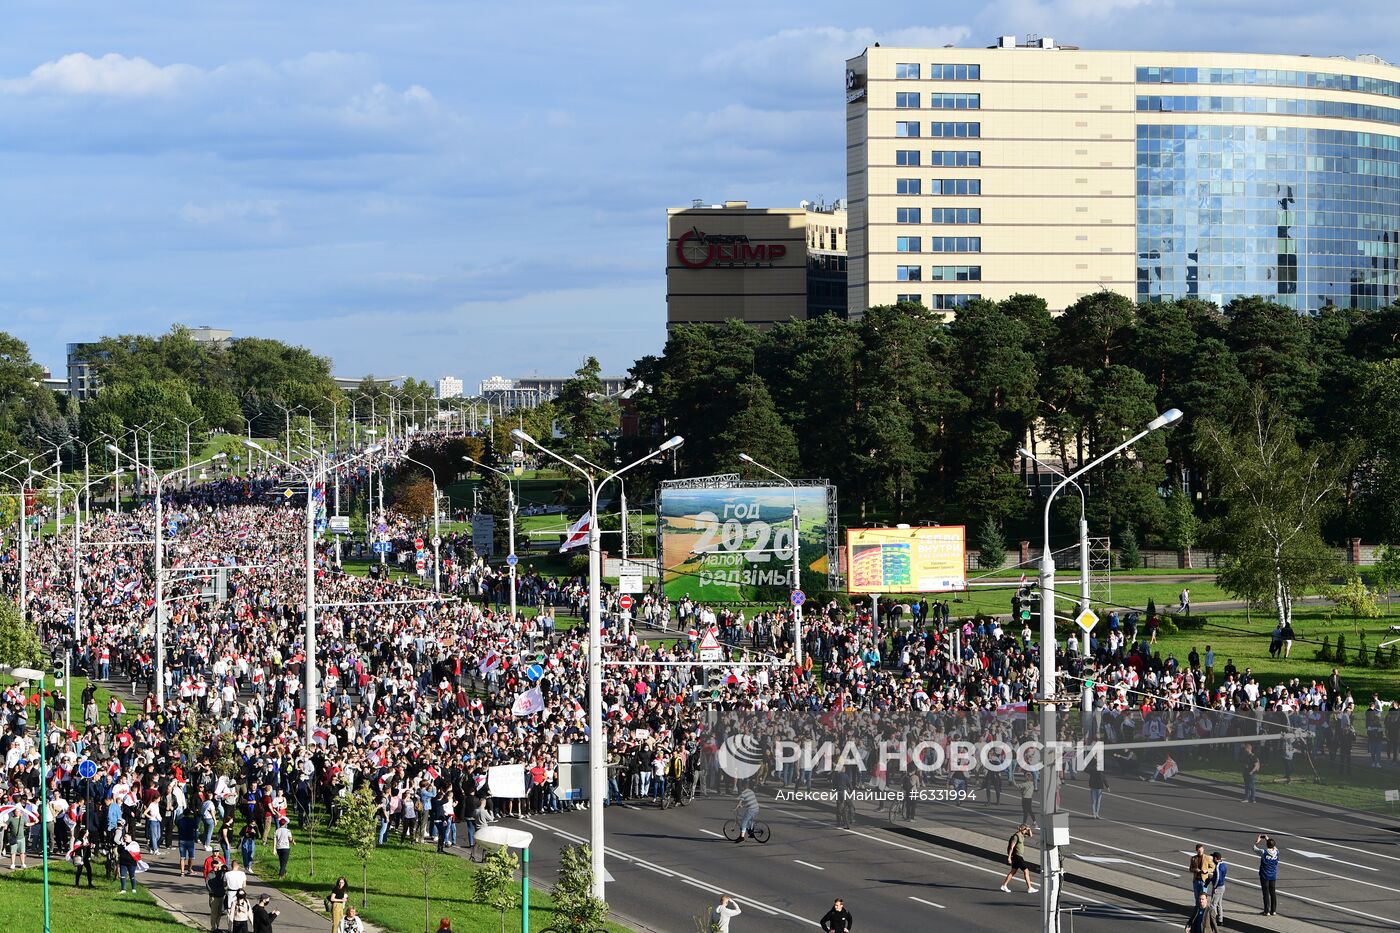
x,y
578,533
1167,769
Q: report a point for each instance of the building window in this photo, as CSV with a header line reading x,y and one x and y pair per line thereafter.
x,y
955,244
954,72
951,302
908,128
909,299
907,71
909,244
906,157
907,215
955,158
955,273
954,130
955,186
909,273
955,101
907,100
908,186
955,215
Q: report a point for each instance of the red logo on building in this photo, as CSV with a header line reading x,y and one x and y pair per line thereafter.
x,y
698,250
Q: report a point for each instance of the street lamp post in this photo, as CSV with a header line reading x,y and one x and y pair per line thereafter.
x,y
437,534
1049,779
510,527
29,674
597,745
1083,527
796,558
23,535
187,426
310,635
157,481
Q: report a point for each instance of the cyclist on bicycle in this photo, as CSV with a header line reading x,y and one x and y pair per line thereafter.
x,y
747,811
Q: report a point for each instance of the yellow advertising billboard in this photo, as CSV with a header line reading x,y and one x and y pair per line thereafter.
x,y
929,559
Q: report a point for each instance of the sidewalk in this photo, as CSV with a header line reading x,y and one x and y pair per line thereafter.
x,y
187,900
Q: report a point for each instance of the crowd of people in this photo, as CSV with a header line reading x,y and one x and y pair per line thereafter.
x,y
422,694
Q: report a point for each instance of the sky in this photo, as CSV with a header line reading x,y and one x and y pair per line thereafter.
x,y
458,188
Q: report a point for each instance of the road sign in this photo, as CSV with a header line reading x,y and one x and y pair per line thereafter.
x,y
437,541
380,547
418,544
534,672
87,769
340,524
710,649
1025,615
630,583
512,560
381,528
1086,620
625,602
798,597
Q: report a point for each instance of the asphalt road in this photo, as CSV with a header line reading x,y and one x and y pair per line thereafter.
x,y
669,867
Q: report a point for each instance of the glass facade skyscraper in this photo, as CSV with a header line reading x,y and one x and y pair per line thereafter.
x,y
1155,175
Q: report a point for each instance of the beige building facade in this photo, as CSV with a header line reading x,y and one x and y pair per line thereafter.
x,y
758,265
1029,167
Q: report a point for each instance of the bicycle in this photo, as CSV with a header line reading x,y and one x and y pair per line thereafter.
x,y
845,812
758,831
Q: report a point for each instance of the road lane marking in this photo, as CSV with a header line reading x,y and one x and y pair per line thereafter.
x,y
929,903
1331,858
1109,860
713,833
692,881
808,864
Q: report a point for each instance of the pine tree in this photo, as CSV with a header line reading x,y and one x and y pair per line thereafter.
x,y
1129,556
991,544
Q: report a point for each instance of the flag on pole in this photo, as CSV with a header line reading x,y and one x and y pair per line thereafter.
x,y
490,662
1013,710
578,533
528,703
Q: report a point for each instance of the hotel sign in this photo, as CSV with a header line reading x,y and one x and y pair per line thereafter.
x,y
696,249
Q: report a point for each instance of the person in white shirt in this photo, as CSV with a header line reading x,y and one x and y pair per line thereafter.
x,y
282,841
724,911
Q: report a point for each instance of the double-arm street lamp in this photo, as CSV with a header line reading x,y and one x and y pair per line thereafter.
x,y
597,744
23,481
796,558
309,475
1049,777
157,481
437,527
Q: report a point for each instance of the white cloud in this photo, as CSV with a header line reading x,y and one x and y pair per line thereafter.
x,y
112,75
220,211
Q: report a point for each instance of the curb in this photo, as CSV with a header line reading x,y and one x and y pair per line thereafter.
x,y
1298,804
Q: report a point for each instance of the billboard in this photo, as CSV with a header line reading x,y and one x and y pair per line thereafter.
x,y
734,543
906,560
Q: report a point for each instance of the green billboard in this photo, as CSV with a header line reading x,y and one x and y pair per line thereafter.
x,y
734,544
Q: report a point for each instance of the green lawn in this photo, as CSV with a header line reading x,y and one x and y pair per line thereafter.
x,y
395,873
997,601
70,908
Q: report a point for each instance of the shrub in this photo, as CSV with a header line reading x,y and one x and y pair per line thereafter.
x,y
1363,657
1151,607
1129,556
1340,657
1189,622
1325,652
1395,655
1381,659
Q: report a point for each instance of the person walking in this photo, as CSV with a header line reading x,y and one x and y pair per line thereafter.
x,y
1217,887
837,919
335,902
1202,919
186,838
351,923
1027,788
247,845
1268,873
215,887
153,824
81,854
724,911
16,831
263,915
1016,858
282,841
240,913
1098,783
128,857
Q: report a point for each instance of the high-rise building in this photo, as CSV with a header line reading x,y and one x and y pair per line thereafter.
x,y
759,265
1037,168
449,387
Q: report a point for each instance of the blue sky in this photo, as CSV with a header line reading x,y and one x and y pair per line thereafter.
x,y
431,188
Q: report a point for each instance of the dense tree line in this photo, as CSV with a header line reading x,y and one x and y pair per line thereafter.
x,y
917,418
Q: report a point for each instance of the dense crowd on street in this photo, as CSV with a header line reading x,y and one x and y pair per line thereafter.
x,y
423,693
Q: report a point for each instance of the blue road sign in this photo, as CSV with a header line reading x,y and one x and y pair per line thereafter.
x,y
87,769
512,560
534,672
798,597
381,547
